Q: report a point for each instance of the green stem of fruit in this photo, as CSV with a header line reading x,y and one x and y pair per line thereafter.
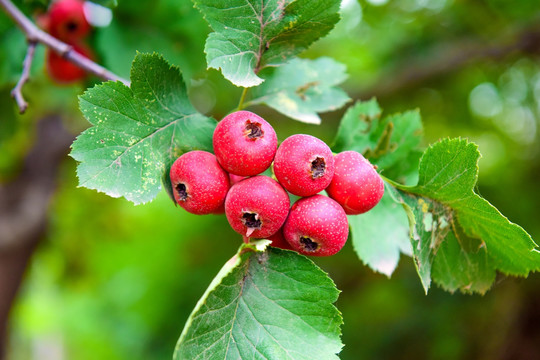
x,y
242,98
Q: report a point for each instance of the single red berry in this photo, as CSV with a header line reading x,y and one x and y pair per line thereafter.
x,y
356,184
257,207
63,71
304,165
316,226
278,240
244,143
67,20
199,183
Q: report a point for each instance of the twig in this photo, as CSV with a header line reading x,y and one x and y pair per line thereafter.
x,y
35,35
16,93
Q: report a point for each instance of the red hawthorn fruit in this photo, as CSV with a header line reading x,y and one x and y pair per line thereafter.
x,y
63,71
244,143
278,241
356,184
199,183
67,21
257,207
304,165
316,226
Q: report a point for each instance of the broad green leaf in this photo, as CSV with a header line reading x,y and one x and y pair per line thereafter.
x,y
381,234
271,304
138,131
459,239
391,143
302,88
250,35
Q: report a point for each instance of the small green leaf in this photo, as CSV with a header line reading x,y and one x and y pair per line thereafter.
x,y
138,131
459,239
250,35
354,132
381,234
302,88
391,143
271,304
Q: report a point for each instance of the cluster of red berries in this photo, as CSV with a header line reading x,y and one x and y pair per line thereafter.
x,y
258,206
66,21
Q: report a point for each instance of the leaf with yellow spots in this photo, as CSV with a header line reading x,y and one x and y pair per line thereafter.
x,y
303,88
459,240
138,131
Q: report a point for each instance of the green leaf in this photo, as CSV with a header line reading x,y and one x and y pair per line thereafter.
x,y
250,35
459,239
138,131
381,234
271,304
391,143
354,131
302,88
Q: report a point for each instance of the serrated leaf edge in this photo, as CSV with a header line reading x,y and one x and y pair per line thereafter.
x,y
235,261
412,221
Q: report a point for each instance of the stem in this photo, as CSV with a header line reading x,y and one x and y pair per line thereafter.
x,y
35,35
390,181
242,98
16,93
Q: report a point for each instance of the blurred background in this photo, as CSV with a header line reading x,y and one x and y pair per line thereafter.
x,y
91,277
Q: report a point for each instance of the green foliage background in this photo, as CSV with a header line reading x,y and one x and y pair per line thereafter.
x,y
114,281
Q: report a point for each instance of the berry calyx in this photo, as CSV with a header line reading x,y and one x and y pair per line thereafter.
x,y
199,183
67,20
356,184
244,143
304,165
257,207
316,226
63,71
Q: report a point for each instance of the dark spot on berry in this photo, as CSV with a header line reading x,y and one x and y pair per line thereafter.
x,y
253,130
251,220
71,26
182,192
318,167
309,245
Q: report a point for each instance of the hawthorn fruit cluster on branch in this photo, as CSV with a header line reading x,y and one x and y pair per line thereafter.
x,y
256,205
35,36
